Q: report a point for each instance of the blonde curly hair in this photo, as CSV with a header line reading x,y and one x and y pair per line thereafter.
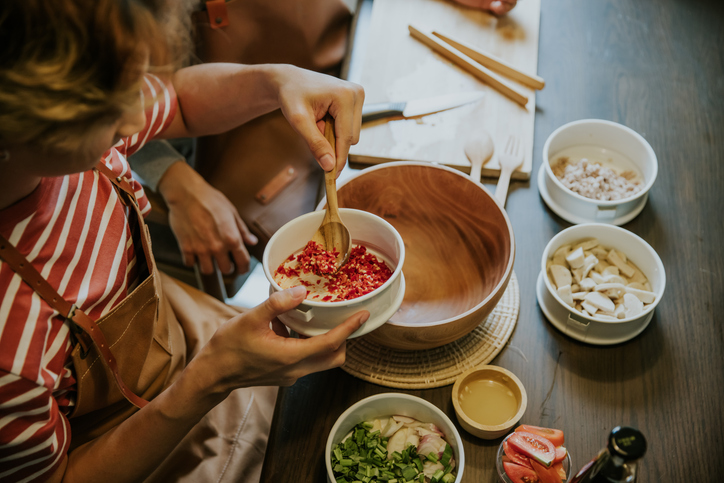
x,y
68,65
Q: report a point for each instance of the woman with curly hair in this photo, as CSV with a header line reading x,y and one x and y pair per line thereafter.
x,y
90,331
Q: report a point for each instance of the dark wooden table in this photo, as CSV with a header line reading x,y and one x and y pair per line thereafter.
x,y
656,66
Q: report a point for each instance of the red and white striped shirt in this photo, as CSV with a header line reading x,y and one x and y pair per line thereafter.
x,y
74,230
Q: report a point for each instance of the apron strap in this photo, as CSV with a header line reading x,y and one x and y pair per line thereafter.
x,y
82,327
118,181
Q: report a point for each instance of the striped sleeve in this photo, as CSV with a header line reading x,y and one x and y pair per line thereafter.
x,y
162,102
162,105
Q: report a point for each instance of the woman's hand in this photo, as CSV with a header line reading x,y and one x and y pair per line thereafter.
x,y
306,97
207,226
255,349
497,7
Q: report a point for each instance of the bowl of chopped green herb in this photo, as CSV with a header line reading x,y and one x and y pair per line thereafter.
x,y
394,438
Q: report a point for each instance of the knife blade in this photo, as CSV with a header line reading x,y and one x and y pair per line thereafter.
x,y
418,107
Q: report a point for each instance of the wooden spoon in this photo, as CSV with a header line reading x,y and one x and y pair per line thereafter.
x,y
479,149
332,233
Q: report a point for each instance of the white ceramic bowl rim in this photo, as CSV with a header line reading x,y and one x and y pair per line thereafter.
x,y
552,246
606,203
511,258
388,282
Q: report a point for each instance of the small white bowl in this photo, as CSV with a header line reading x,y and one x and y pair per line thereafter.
x,y
589,329
389,404
601,138
311,317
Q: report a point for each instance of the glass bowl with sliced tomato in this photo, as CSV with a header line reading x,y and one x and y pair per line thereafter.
x,y
533,454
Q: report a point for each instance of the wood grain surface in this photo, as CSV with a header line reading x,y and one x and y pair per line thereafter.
x,y
459,249
398,67
657,67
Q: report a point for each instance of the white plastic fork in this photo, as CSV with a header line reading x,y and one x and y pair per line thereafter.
x,y
510,159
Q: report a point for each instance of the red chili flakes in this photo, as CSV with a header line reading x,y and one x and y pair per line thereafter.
x,y
362,273
315,259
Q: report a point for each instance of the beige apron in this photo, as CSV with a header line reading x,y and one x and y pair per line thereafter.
x,y
152,334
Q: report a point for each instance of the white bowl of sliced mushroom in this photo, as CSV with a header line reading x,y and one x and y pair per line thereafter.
x,y
605,280
596,171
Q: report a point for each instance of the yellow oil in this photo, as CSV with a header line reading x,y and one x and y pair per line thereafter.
x,y
488,402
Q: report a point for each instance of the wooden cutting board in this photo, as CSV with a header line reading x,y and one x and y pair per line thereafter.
x,y
398,67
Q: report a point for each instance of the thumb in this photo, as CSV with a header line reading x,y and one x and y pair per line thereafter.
x,y
278,303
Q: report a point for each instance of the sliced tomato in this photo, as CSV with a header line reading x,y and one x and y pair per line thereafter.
x,y
561,471
555,436
561,452
533,446
546,475
521,474
515,456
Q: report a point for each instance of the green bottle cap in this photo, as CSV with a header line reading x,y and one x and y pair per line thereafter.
x,y
628,443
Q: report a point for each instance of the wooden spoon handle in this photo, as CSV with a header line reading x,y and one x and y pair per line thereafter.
x,y
330,177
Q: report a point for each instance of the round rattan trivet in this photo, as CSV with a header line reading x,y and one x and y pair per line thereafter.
x,y
442,365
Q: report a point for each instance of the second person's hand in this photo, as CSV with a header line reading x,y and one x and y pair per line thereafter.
x,y
206,224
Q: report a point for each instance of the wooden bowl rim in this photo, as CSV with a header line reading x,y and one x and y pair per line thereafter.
x,y
508,269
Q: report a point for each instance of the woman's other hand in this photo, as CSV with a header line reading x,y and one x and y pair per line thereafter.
x,y
255,349
496,7
207,226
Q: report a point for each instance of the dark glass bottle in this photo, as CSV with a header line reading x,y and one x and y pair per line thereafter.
x,y
616,463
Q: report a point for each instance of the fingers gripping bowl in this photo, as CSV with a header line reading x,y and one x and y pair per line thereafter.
x,y
317,317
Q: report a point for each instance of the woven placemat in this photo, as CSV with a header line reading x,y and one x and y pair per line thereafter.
x,y
442,365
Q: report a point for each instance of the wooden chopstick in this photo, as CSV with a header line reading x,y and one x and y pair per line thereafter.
x,y
468,64
494,63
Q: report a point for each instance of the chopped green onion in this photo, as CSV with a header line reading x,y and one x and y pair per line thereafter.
x,y
446,455
448,478
409,473
436,477
363,458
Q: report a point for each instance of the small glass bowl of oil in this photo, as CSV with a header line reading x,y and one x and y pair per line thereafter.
x,y
488,401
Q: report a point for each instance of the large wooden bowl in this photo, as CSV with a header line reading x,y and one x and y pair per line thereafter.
x,y
459,248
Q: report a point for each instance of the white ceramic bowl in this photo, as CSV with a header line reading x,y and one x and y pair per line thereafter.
x,y
393,403
586,328
603,138
311,317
